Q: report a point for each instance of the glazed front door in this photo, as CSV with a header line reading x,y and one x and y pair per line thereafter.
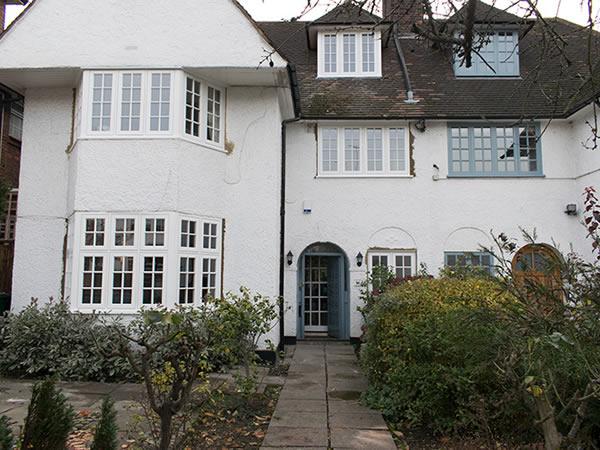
x,y
316,293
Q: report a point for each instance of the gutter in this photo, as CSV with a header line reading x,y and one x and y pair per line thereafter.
x,y
282,199
410,99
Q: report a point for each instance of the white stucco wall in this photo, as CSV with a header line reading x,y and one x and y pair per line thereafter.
x,y
150,176
432,216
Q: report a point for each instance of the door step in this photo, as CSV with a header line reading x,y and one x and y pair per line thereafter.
x,y
316,336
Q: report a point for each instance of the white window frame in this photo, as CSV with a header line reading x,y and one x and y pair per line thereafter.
x,y
172,252
177,102
340,54
172,88
391,255
364,171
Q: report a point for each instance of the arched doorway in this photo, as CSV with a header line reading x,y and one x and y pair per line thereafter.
x,y
323,292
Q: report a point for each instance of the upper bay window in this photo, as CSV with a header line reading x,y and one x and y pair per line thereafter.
x,y
363,151
154,104
494,151
349,53
497,56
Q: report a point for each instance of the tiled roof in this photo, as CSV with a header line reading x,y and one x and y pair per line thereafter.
x,y
348,13
485,13
545,89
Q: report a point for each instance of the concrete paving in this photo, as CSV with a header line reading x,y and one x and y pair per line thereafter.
x,y
318,406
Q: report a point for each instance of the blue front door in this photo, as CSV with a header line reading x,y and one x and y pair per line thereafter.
x,y
335,296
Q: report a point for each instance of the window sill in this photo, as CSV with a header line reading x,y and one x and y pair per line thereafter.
x,y
497,176
490,77
348,75
363,176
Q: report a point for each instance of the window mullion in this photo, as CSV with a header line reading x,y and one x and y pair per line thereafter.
x,y
471,149
494,142
517,146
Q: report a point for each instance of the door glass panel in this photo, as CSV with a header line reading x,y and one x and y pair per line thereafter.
x,y
315,293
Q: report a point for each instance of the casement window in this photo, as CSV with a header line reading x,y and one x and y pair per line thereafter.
x,y
187,280
9,220
94,232
102,94
480,260
122,280
124,261
494,151
403,263
131,101
148,104
160,102
93,282
372,151
349,53
15,125
213,115
497,56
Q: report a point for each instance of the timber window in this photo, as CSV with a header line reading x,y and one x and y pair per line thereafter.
x,y
351,53
494,151
213,115
401,263
478,260
131,101
365,151
160,102
15,125
193,109
497,56
9,220
153,264
102,94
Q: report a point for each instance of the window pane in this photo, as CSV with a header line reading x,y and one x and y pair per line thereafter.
x,y
482,149
160,102
131,91
375,149
192,107
506,149
101,101
92,280
528,149
213,117
352,149
459,150
330,53
122,280
368,52
153,280
349,53
397,150
209,277
329,148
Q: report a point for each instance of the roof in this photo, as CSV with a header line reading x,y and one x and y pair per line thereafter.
x,y
348,13
546,88
485,13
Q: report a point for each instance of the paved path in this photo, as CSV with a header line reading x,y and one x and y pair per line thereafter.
x,y
318,406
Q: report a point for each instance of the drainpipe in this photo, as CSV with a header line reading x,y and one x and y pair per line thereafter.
x,y
282,257
410,99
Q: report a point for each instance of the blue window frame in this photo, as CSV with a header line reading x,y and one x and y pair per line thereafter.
x,y
476,150
498,56
481,260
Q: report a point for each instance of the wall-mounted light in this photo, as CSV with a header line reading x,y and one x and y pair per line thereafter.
x,y
290,258
571,209
421,125
359,259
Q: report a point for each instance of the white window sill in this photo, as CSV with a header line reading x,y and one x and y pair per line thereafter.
x,y
323,76
364,175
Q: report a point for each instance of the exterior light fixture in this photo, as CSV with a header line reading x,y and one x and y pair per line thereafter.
x,y
359,259
421,125
571,209
290,258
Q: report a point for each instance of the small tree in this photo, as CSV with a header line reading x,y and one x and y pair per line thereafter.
x,y
6,436
49,419
105,436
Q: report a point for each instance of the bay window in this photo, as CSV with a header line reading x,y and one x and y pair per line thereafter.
x,y
365,151
120,266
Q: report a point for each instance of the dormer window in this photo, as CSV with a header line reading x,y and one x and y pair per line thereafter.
x,y
497,56
349,53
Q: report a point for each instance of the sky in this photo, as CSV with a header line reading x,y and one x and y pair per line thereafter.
x,y
285,9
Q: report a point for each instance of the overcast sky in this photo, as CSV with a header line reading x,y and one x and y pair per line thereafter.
x,y
284,9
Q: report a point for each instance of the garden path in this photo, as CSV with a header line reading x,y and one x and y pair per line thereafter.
x,y
319,404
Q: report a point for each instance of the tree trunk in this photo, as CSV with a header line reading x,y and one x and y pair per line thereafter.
x,y
166,423
552,437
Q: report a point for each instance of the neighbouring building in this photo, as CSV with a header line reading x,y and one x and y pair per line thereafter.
x,y
175,152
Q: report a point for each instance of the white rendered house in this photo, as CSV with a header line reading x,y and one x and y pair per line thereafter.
x,y
171,153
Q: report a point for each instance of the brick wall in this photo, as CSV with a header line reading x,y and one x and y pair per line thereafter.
x,y
10,154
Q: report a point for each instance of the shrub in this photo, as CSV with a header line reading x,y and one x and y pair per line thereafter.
x,y
6,436
429,356
105,436
49,340
49,419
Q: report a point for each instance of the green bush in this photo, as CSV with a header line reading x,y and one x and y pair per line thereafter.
x,y
49,419
105,436
430,353
6,436
50,340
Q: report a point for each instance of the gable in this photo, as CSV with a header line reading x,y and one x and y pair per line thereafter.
x,y
134,33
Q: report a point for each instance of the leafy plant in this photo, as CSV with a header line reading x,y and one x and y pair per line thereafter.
x,y
6,436
592,218
50,340
105,436
49,419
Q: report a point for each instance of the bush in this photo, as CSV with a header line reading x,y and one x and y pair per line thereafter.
x,y
50,340
430,352
6,436
105,436
49,419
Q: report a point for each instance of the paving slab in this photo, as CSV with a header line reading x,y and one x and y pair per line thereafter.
x,y
319,405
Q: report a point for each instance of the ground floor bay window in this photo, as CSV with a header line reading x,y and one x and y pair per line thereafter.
x,y
122,262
